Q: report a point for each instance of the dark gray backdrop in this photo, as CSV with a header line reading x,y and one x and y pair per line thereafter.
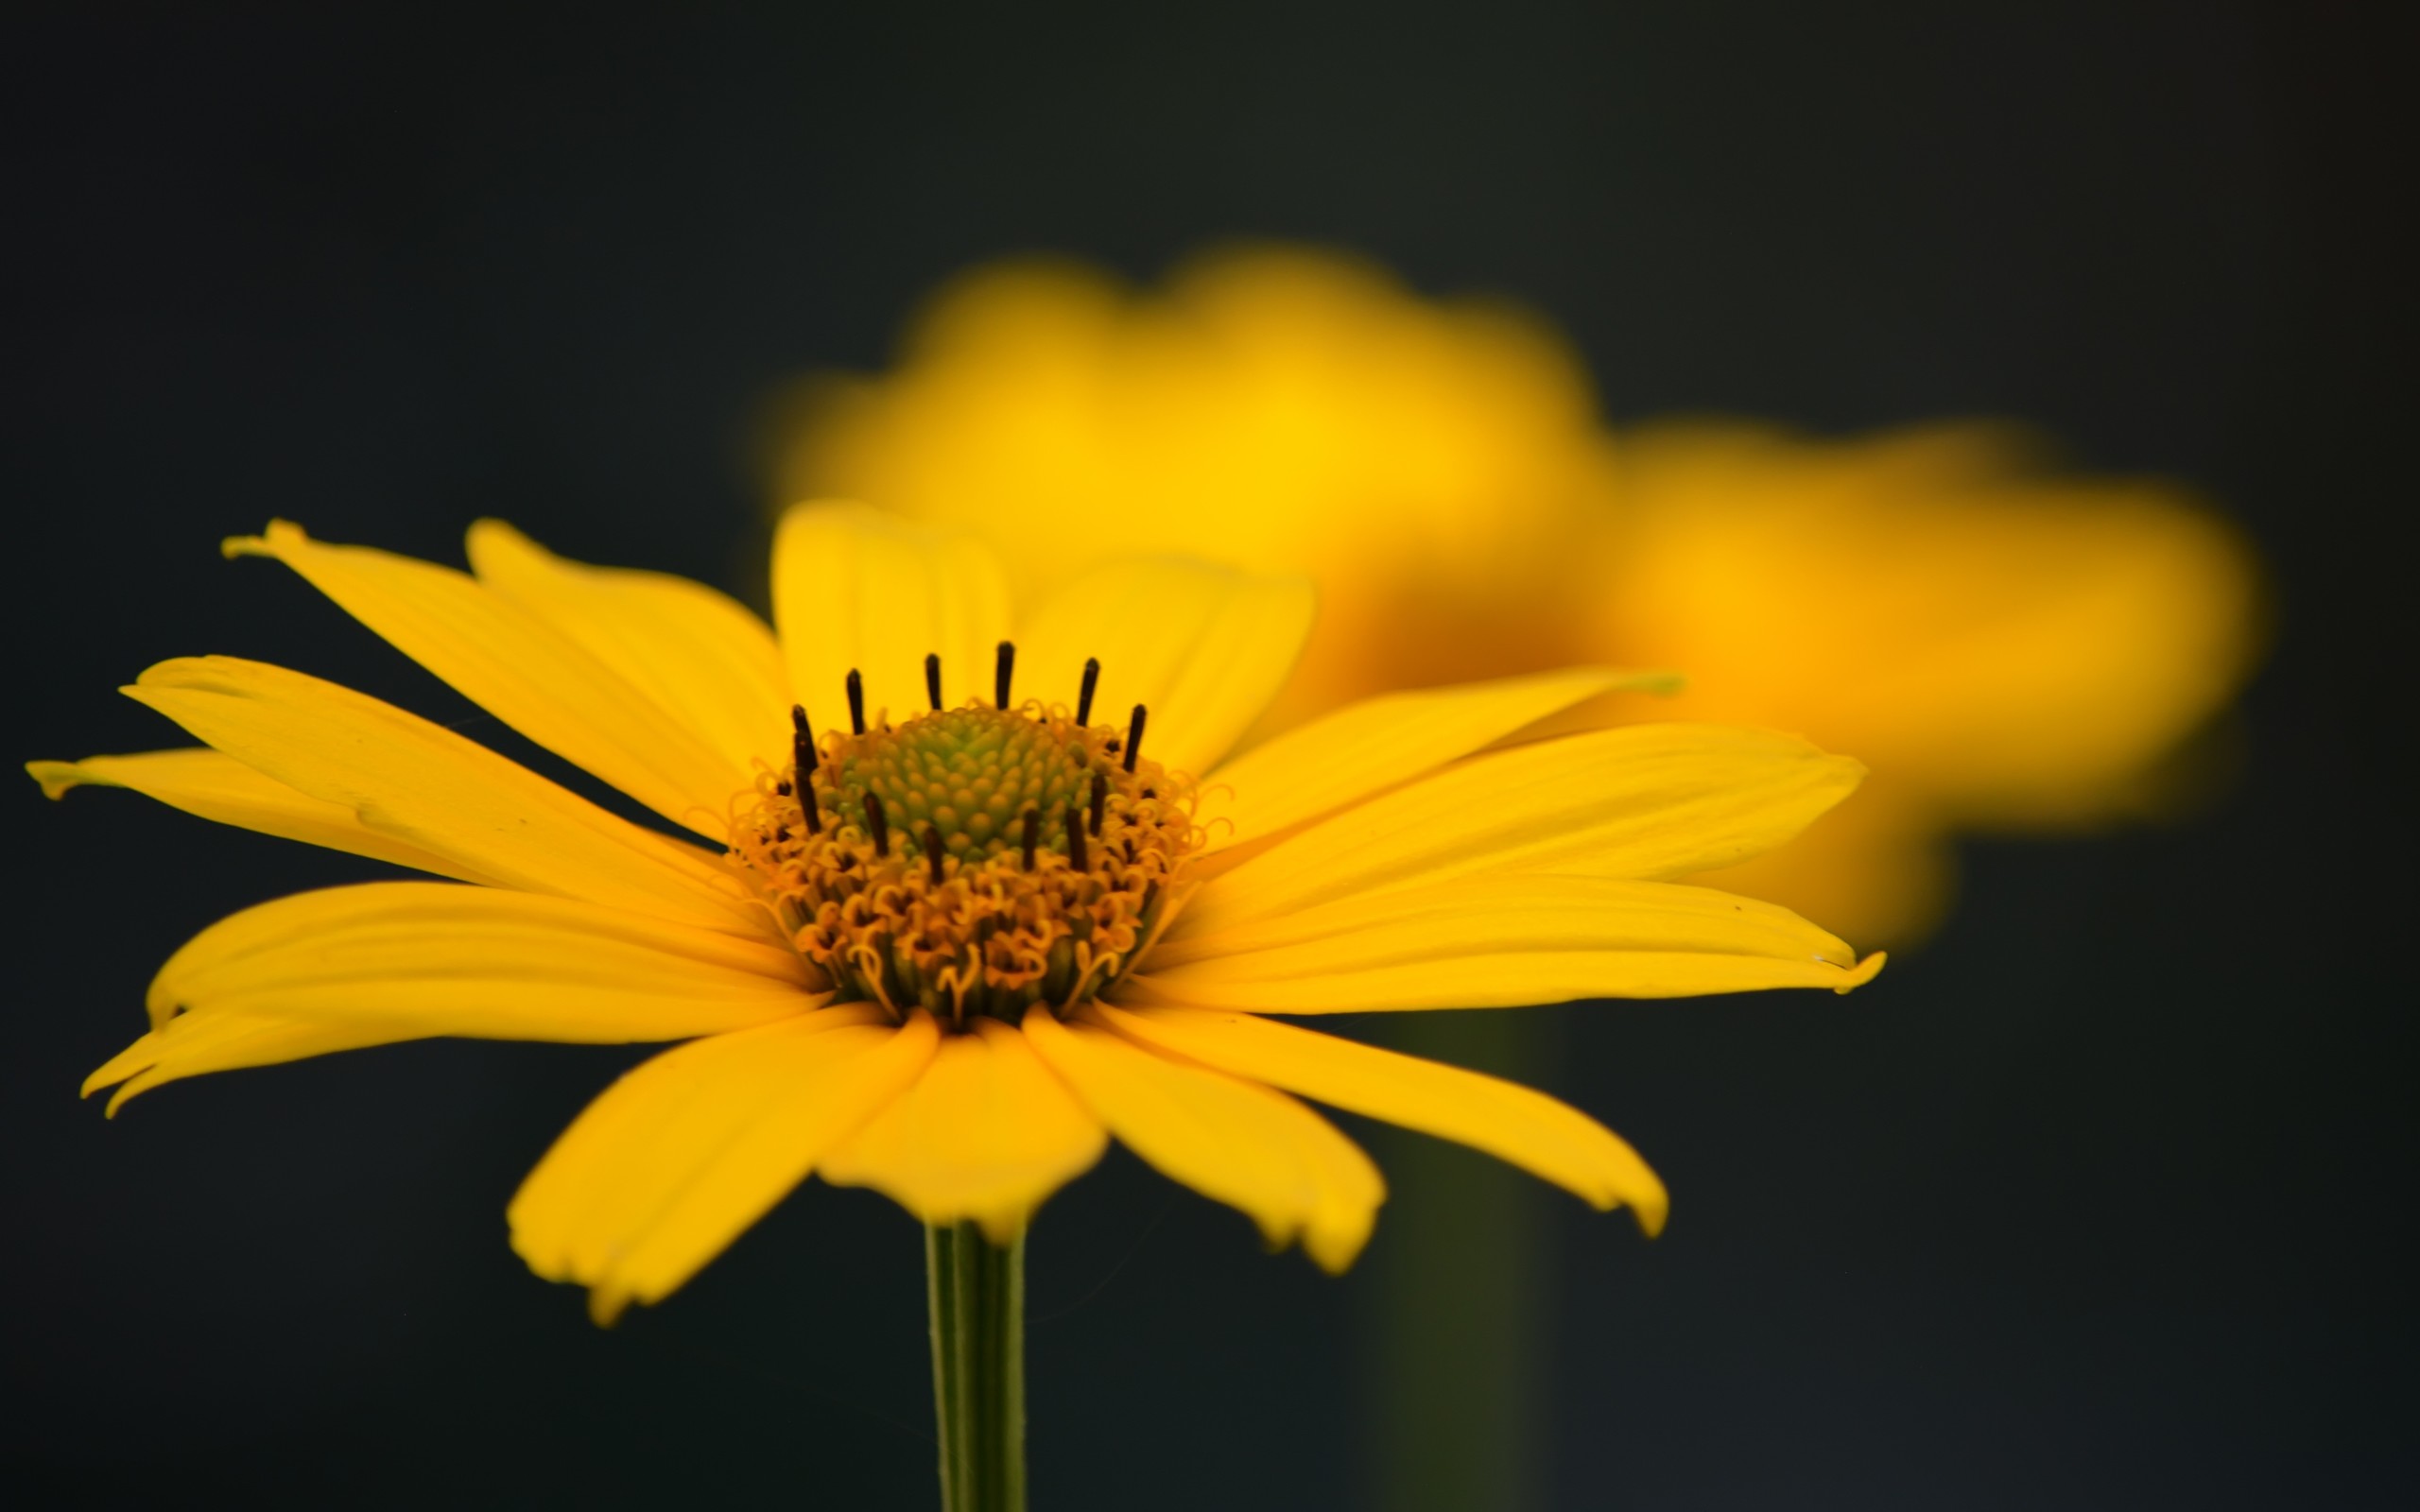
x,y
2100,1202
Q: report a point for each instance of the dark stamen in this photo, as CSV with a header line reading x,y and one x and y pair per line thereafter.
x,y
1135,738
1003,672
1032,835
933,851
857,702
802,742
802,765
1100,797
1084,699
880,826
933,678
1076,840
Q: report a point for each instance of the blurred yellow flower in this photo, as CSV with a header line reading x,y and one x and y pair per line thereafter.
x,y
2006,647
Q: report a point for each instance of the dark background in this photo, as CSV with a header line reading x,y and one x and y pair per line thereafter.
x,y
2100,1201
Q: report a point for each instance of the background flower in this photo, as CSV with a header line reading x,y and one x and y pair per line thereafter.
x,y
2009,647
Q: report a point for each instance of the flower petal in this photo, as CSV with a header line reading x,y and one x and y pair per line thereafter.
x,y
708,664
417,783
440,958
1236,1141
1511,1121
856,588
986,1134
195,1044
1512,980
1203,649
219,787
1497,913
1374,745
677,1157
521,669
1497,942
1644,802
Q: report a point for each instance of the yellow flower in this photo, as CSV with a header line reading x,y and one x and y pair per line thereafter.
x,y
950,933
2007,648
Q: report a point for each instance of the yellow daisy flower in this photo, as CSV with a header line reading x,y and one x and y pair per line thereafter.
x,y
961,894
2010,649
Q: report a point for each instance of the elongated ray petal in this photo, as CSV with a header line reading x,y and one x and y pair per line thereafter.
x,y
195,1044
1374,744
708,664
1204,649
1236,1141
440,959
986,1134
522,669
1649,802
677,1159
214,786
1503,981
1497,914
856,588
1513,1123
411,779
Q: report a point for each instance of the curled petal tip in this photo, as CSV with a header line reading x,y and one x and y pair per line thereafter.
x,y
1335,1253
1864,971
277,533
55,776
606,1305
1650,1217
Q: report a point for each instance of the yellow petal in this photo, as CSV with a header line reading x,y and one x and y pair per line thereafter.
x,y
1236,1141
1498,913
1372,746
440,958
219,787
707,664
193,1044
677,1157
1496,942
986,1134
857,590
1646,801
414,781
1203,649
1513,1123
1517,980
521,669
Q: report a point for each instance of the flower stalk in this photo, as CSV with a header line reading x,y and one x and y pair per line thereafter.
x,y
976,1293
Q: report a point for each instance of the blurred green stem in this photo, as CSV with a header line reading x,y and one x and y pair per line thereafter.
x,y
1455,1339
976,1292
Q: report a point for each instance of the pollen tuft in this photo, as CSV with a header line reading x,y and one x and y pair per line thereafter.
x,y
972,861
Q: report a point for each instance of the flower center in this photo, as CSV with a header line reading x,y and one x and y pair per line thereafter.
x,y
970,861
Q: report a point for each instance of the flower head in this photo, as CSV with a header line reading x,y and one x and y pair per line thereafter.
x,y
2009,648
964,894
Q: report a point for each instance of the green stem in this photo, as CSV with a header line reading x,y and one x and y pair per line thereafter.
x,y
1460,1332
976,1290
